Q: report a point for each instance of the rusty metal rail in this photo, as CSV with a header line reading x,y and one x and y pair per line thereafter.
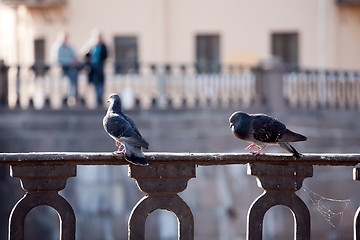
x,y
43,175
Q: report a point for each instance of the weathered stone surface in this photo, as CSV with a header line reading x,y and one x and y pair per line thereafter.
x,y
162,182
42,183
280,183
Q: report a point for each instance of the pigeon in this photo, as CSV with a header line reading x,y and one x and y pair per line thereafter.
x,y
261,130
123,130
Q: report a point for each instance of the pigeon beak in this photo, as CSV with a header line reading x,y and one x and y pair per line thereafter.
x,y
108,100
231,125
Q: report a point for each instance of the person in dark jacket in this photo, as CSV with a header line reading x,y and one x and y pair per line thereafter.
x,y
98,55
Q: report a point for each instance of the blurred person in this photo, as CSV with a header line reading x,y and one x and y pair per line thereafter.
x,y
96,56
67,59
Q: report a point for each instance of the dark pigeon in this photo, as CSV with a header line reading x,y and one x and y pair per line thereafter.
x,y
123,130
261,130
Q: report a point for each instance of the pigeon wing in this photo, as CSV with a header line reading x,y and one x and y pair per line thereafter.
x,y
131,122
267,129
117,127
136,139
123,129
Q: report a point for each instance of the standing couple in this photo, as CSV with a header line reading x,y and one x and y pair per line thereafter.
x,y
96,54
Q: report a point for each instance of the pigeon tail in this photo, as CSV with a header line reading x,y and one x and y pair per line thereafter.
x,y
290,136
289,148
137,160
135,155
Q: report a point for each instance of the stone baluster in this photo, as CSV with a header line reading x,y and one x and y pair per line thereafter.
x,y
280,182
161,182
356,176
42,184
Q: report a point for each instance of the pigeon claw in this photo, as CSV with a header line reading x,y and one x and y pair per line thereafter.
x,y
120,152
251,146
258,152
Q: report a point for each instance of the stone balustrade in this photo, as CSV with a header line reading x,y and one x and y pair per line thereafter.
x,y
180,86
150,86
322,89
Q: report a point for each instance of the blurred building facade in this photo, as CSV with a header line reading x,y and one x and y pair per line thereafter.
x,y
307,33
310,33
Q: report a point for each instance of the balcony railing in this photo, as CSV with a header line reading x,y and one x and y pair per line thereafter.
x,y
181,86
43,175
151,85
322,89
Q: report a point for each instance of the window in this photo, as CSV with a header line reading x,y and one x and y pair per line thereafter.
x,y
39,66
207,53
285,46
126,55
39,50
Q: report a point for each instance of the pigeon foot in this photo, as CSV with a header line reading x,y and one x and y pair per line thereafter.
x,y
118,143
258,152
251,146
120,152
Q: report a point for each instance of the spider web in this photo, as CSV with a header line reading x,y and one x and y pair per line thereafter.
x,y
331,209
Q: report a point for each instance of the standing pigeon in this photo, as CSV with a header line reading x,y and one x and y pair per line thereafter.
x,y
261,130
123,130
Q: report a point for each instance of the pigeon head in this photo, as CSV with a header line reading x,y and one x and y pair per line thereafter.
x,y
238,118
115,102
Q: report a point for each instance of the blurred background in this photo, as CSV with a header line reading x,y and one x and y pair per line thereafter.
x,y
182,68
